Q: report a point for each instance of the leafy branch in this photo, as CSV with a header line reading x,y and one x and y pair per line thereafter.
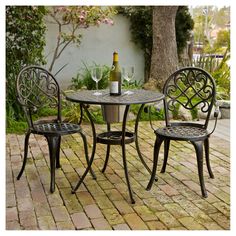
x,y
69,21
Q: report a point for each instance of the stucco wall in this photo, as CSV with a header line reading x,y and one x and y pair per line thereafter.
x,y
98,45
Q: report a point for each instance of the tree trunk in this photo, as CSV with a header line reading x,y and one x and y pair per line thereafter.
x,y
164,59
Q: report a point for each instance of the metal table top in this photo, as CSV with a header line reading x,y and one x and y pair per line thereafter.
x,y
139,96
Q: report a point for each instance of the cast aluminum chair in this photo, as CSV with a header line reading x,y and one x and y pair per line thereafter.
x,y
188,87
38,88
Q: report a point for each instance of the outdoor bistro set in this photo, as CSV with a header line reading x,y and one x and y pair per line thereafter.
x,y
189,87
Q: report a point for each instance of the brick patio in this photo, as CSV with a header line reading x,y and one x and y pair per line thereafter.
x,y
174,202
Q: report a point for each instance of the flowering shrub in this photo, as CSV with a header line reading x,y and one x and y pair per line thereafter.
x,y
76,17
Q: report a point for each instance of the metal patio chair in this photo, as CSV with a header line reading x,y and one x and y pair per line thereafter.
x,y
37,88
188,87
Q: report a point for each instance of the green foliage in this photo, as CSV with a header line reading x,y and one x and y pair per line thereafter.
x,y
97,116
72,112
25,30
208,63
141,29
183,26
206,19
175,111
218,68
16,127
132,84
220,71
221,16
84,79
222,78
20,126
222,40
155,114
219,46
194,113
44,112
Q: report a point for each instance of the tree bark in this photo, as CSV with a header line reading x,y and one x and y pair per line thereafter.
x,y
164,59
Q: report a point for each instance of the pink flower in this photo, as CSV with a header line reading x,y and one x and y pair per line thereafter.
x,y
83,12
108,21
81,18
111,22
61,8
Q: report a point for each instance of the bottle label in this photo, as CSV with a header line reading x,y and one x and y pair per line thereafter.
x,y
114,87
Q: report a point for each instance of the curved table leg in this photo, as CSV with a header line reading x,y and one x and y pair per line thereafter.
x,y
81,114
124,154
86,153
136,141
108,151
93,150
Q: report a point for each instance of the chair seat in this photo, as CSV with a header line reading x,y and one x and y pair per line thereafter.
x,y
182,132
56,128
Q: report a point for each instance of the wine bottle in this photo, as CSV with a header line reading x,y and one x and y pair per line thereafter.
x,y
115,77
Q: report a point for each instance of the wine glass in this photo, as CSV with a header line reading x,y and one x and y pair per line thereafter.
x,y
96,74
128,75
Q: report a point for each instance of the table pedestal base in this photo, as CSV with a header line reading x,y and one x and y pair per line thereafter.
x,y
114,138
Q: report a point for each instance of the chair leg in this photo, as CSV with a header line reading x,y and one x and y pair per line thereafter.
x,y
199,151
166,152
157,146
58,165
53,142
206,146
25,154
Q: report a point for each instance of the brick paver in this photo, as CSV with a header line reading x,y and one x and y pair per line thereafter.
x,y
173,203
100,224
80,220
93,211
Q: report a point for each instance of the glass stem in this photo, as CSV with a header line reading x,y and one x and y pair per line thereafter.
x,y
97,85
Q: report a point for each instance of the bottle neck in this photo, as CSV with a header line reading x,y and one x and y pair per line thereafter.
x,y
115,58
115,63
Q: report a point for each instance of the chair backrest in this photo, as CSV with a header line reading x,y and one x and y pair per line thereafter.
x,y
189,87
37,88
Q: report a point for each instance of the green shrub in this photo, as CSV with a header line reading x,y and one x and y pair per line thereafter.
x,y
132,84
16,127
220,71
155,114
25,40
84,79
194,113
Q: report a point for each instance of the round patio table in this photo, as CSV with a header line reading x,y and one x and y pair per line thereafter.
x,y
123,137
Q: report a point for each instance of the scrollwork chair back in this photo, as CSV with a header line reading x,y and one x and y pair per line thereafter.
x,y
189,87
37,88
